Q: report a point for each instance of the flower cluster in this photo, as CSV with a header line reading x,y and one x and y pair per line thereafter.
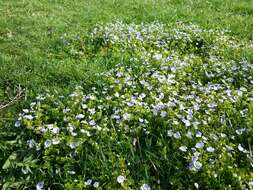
x,y
179,116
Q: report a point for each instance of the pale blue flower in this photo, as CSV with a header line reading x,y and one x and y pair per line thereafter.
x,y
240,148
163,113
170,133
72,172
30,143
158,56
145,187
210,149
120,179
177,135
186,122
55,141
126,116
17,124
56,130
200,145
198,134
80,116
30,117
183,148
40,185
47,143
92,123
197,165
88,182
66,110
240,131
96,184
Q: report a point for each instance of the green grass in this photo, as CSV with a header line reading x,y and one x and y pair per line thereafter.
x,y
46,46
32,55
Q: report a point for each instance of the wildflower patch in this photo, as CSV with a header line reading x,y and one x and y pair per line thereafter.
x,y
177,115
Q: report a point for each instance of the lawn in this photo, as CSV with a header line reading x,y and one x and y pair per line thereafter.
x,y
61,64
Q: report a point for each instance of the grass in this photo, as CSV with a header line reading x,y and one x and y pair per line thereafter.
x,y
47,46
33,57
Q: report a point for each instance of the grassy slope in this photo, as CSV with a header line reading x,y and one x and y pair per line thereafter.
x,y
31,54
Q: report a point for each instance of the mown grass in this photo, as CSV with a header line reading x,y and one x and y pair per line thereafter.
x,y
33,57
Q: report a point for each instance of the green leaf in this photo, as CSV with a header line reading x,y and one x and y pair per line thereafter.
x,y
7,164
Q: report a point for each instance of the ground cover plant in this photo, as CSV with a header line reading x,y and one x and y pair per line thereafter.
x,y
146,101
175,113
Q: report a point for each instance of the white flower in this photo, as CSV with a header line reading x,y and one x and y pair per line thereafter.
x,y
92,111
200,145
196,106
240,131
73,134
92,123
244,112
55,141
145,187
120,179
92,97
88,182
84,106
50,126
177,135
198,134
170,133
72,172
30,143
196,155
66,110
40,185
80,116
196,185
243,149
17,124
197,165
72,145
183,148
155,110
30,117
210,149
240,148
47,143
25,170
158,56
186,122
142,95
25,110
212,105
56,130
189,134
116,94
96,184
126,116
163,113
